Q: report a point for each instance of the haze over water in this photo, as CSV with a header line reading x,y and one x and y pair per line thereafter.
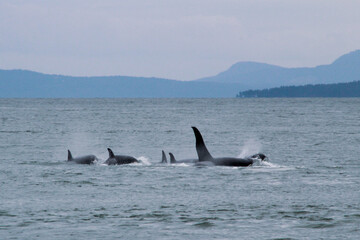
x,y
309,189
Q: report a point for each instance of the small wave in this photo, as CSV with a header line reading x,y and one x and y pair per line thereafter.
x,y
100,215
205,224
20,131
319,225
265,165
4,213
101,164
85,183
158,215
180,165
269,164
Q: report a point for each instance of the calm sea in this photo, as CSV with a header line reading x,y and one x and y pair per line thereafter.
x,y
309,189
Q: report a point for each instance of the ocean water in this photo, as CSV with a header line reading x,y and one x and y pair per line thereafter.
x,y
309,188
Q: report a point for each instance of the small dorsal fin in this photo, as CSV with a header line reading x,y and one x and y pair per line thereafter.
x,y
172,158
201,149
164,159
69,155
111,154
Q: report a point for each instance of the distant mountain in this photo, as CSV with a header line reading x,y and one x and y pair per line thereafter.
x,y
240,77
351,89
254,75
28,84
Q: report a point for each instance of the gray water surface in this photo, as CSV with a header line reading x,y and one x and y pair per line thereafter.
x,y
308,190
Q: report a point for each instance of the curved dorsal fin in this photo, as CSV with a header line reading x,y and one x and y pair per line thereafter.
x,y
201,149
111,154
69,155
164,159
172,158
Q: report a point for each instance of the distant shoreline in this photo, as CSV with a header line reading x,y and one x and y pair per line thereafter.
x,y
335,90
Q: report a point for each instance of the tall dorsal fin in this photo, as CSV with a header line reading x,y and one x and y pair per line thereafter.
x,y
69,155
163,159
172,158
111,154
201,149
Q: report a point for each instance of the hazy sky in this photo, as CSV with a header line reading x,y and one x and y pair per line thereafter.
x,y
176,39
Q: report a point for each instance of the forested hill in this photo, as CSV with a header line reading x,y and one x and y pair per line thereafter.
x,y
351,89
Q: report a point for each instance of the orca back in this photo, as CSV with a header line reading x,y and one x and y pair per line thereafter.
x,y
123,159
88,159
233,162
119,159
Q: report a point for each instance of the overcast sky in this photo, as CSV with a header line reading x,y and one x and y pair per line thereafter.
x,y
177,39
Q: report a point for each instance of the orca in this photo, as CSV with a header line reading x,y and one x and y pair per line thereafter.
x,y
205,157
163,158
173,160
119,159
88,159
